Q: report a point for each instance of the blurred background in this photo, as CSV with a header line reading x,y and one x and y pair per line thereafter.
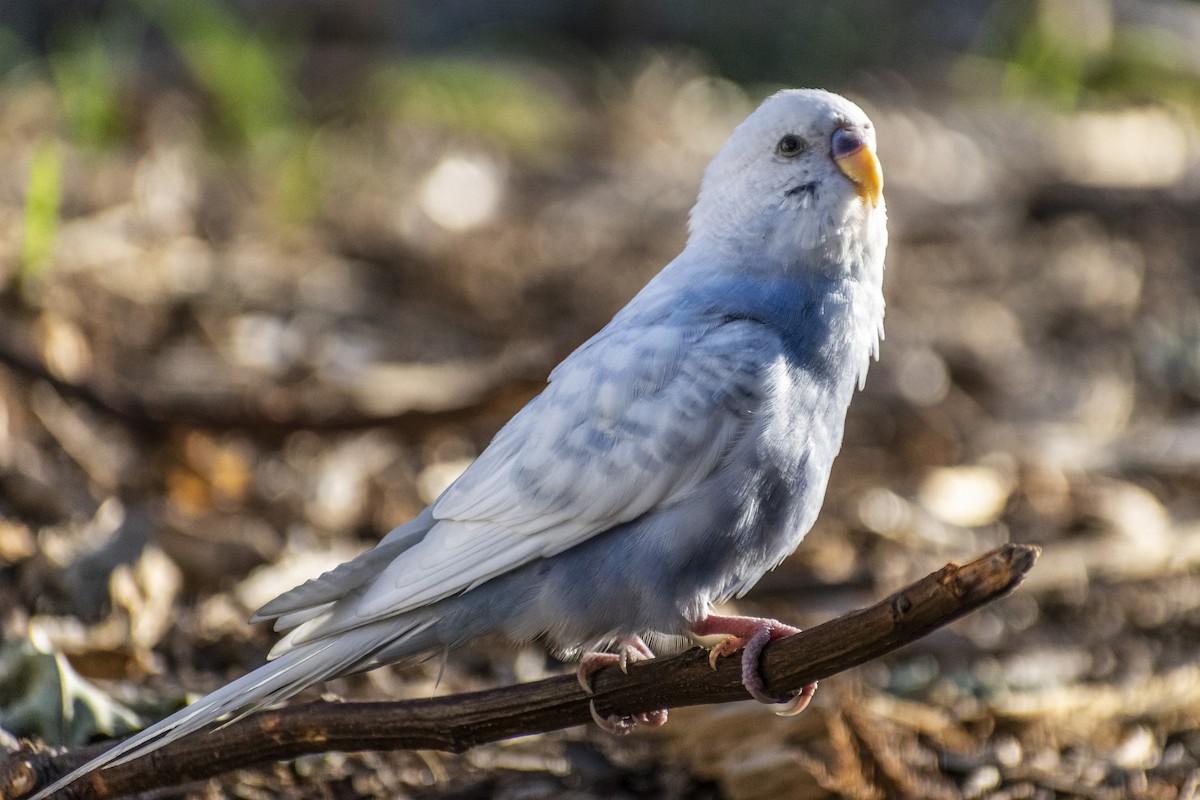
x,y
272,273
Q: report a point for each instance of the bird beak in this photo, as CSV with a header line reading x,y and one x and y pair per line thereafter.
x,y
857,161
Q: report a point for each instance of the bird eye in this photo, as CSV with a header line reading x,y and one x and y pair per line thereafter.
x,y
790,146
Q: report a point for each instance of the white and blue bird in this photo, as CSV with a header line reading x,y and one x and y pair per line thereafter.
x,y
672,460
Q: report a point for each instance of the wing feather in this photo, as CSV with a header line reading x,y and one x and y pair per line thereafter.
x,y
611,438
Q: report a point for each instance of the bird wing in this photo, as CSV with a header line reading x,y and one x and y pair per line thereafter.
x,y
630,422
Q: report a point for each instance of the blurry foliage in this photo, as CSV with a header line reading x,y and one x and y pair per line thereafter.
x,y
1146,62
244,73
800,43
247,76
86,77
42,200
474,98
1067,52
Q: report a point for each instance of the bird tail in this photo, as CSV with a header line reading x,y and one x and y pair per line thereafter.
x,y
289,674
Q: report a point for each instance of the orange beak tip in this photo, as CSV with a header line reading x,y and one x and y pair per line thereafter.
x,y
862,168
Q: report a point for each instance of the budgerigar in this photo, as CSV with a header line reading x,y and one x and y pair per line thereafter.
x,y
673,459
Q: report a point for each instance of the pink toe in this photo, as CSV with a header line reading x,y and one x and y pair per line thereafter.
x,y
652,719
613,724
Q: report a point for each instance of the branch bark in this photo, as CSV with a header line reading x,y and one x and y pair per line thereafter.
x,y
460,722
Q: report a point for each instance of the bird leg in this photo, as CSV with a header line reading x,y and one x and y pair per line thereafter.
x,y
750,635
631,649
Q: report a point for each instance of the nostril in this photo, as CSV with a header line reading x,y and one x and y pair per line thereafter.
x,y
846,141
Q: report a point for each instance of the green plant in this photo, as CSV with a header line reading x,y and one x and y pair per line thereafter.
x,y
42,200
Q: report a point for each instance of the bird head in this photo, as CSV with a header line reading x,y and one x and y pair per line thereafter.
x,y
798,175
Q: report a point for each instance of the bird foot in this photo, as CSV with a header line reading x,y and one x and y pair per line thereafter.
x,y
632,649
622,725
751,635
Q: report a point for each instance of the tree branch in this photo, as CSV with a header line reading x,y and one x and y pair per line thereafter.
x,y
463,721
